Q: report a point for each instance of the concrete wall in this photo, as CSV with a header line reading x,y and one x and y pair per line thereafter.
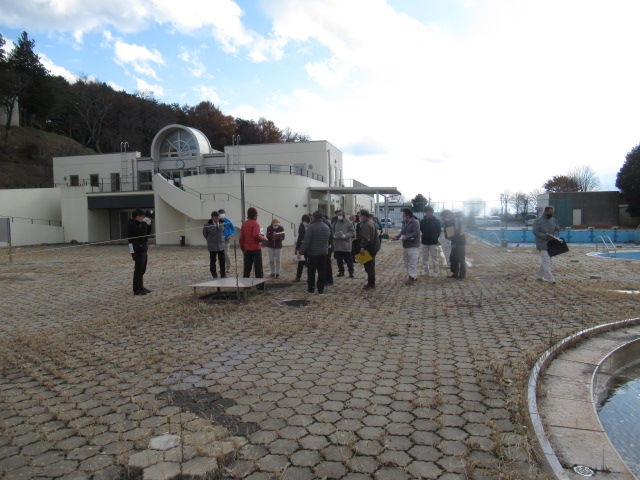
x,y
75,214
102,165
319,157
274,195
36,215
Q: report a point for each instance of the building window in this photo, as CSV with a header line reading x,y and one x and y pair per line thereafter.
x,y
215,170
74,181
145,181
251,170
178,144
94,180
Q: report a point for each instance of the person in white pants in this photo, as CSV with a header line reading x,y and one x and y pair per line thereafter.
x,y
410,236
544,229
275,236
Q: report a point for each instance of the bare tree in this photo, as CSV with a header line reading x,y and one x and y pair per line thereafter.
x,y
533,199
519,201
585,177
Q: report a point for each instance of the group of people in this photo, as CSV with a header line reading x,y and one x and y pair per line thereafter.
x,y
318,239
344,237
426,233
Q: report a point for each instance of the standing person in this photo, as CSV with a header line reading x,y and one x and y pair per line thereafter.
x,y
410,236
544,229
229,232
302,229
137,230
251,240
431,229
454,232
316,248
213,231
275,236
343,234
369,241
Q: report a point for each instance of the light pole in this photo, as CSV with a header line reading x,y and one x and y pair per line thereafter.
x,y
242,170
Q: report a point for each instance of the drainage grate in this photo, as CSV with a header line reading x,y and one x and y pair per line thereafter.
x,y
584,471
295,303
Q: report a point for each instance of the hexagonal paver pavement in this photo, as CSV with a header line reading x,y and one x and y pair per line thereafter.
x,y
420,381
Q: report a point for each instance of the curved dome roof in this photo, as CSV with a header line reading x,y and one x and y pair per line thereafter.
x,y
180,142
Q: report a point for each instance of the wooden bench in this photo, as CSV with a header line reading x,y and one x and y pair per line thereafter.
x,y
243,285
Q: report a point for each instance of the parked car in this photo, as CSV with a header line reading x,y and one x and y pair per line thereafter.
x,y
493,221
529,219
386,222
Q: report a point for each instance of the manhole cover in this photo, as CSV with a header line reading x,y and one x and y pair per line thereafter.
x,y
584,471
295,303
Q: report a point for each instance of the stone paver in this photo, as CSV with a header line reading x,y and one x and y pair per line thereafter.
x,y
378,385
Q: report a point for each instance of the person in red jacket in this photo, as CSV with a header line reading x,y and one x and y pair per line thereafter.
x,y
251,244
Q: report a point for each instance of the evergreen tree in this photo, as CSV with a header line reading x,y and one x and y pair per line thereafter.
x,y
628,181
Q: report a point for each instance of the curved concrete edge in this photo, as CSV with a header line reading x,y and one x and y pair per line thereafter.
x,y
548,458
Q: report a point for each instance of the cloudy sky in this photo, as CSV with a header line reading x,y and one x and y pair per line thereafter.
x,y
454,99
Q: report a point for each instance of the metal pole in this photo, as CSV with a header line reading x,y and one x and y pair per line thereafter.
x,y
242,171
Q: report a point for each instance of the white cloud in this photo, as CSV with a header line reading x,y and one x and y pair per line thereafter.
x,y
196,67
57,70
523,93
142,86
210,94
139,57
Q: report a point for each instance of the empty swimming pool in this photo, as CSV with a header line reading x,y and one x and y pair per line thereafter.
x,y
628,255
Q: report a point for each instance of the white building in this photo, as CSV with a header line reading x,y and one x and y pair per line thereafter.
x,y
183,181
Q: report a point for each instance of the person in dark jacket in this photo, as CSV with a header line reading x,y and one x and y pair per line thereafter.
x,y
275,236
302,229
431,229
137,230
213,231
454,231
315,247
369,241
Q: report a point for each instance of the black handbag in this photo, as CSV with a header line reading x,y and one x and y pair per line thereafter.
x,y
556,247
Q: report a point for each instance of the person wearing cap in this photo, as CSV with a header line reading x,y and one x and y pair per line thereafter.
x,y
369,240
251,240
213,231
137,230
275,236
229,232
410,236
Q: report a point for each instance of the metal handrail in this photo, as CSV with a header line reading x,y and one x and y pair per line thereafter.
x,y
606,247
199,195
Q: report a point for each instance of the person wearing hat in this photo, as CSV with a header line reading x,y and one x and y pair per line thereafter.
x,y
137,230
251,240
213,231
275,236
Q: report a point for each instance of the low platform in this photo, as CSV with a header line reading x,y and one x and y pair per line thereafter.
x,y
242,284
